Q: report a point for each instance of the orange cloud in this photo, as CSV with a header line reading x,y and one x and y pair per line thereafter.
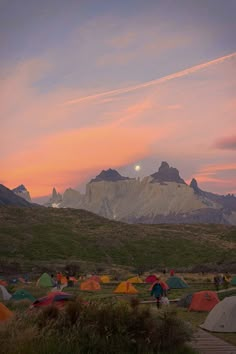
x,y
66,158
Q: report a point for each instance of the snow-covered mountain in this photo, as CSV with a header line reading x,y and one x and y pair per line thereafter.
x,y
163,197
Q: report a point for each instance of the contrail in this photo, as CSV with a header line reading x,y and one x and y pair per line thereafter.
x,y
161,80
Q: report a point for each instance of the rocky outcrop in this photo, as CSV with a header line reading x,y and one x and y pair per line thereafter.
x,y
167,174
55,200
8,197
109,176
22,192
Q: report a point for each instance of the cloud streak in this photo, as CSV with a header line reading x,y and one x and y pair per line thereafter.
x,y
227,143
164,79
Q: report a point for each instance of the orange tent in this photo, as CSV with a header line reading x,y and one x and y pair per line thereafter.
x,y
204,301
3,282
95,278
5,314
90,285
125,288
105,279
64,280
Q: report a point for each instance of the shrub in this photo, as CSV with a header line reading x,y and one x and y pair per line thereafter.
x,y
94,328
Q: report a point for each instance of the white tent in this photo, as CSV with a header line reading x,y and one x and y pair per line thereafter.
x,y
222,317
4,294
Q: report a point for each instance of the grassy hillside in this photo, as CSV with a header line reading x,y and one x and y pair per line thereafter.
x,y
54,235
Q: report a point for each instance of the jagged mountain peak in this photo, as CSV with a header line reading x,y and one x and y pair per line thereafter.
x,y
167,174
22,192
20,188
109,175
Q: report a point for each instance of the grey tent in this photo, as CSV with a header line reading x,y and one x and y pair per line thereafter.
x,y
222,317
4,294
185,301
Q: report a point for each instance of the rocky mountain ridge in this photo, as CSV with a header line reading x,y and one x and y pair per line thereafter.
x,y
163,197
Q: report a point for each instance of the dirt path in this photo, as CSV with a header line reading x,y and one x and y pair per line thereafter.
x,y
206,343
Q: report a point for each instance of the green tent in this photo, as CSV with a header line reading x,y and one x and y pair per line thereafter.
x,y
233,281
45,281
176,283
22,295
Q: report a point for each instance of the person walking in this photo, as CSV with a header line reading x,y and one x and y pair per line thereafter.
x,y
158,292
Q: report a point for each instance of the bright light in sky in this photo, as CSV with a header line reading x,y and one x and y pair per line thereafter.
x,y
137,168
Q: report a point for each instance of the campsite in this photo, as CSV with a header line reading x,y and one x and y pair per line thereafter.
x,y
192,299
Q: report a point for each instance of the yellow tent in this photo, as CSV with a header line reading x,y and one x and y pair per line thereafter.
x,y
90,285
125,288
5,314
135,280
105,279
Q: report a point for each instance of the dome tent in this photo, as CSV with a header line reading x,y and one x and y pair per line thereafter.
x,y
45,281
176,283
222,316
204,301
22,294
125,288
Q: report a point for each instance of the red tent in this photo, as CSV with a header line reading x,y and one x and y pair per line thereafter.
x,y
151,279
57,298
204,301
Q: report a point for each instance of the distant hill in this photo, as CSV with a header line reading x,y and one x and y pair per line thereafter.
x,y
163,197
8,197
59,235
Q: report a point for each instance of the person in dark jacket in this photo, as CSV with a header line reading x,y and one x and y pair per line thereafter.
x,y
158,292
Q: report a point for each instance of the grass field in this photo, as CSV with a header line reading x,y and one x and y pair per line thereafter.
x,y
36,236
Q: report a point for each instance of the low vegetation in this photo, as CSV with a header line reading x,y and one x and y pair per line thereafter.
x,y
41,235
96,327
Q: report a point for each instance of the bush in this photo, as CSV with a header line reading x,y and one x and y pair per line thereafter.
x,y
94,328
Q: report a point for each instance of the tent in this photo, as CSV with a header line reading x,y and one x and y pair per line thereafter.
x,y
176,283
73,279
90,285
64,280
135,280
185,301
233,281
163,285
125,288
4,294
5,313
45,281
57,298
151,279
3,282
203,301
95,278
222,316
105,279
22,295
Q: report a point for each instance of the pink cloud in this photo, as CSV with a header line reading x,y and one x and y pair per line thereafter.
x,y
226,143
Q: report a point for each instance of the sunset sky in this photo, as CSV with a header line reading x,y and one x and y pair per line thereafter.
x,y
88,85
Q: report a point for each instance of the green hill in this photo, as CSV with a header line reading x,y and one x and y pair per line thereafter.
x,y
54,235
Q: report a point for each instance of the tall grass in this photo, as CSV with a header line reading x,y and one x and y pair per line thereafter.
x,y
92,328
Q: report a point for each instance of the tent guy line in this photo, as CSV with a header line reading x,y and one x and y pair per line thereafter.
x,y
161,80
